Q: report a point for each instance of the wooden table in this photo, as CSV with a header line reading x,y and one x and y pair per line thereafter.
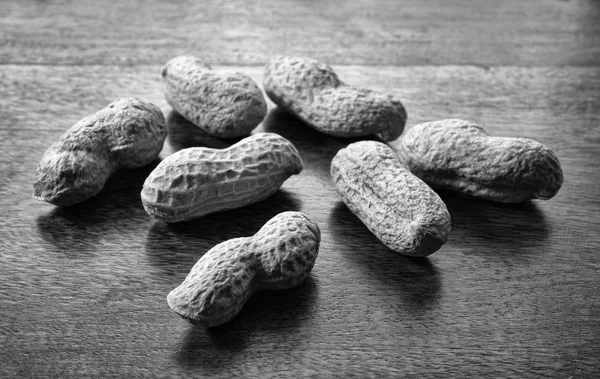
x,y
515,292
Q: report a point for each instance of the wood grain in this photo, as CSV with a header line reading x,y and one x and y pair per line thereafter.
x,y
514,292
240,32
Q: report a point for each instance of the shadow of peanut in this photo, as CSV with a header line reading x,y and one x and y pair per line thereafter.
x,y
507,229
278,313
182,134
416,280
317,149
77,228
175,247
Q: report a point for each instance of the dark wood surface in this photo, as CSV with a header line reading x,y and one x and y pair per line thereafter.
x,y
514,292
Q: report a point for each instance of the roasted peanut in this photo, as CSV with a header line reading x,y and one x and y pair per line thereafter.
x,y
225,105
313,92
128,133
279,256
396,206
459,155
197,181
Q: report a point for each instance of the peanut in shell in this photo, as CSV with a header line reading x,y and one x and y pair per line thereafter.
x,y
459,155
312,91
196,181
128,133
401,210
224,105
279,256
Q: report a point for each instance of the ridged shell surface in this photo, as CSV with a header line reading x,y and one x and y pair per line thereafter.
x,y
197,181
313,92
279,256
128,133
397,207
459,155
225,105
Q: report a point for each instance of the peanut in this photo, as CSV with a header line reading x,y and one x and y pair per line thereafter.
x,y
128,133
279,256
396,206
459,155
197,181
313,92
225,105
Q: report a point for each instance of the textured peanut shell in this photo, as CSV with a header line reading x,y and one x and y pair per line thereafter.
x,y
128,133
279,256
459,155
225,105
197,181
396,206
313,92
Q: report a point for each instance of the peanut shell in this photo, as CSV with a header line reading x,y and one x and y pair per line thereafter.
x,y
397,207
225,105
279,256
312,91
128,133
459,155
197,181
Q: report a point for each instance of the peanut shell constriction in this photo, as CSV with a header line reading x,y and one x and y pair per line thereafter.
x,y
313,92
279,256
128,133
397,207
459,155
197,181
225,105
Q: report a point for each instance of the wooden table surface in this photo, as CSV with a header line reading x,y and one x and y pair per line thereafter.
x,y
515,292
